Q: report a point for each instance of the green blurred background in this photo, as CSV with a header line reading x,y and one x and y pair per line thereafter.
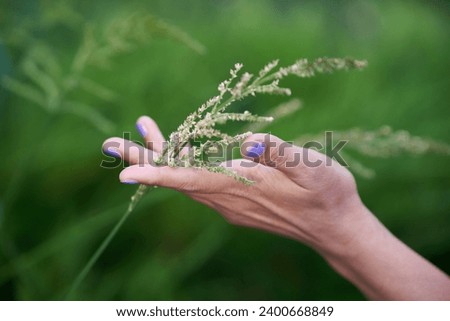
x,y
57,204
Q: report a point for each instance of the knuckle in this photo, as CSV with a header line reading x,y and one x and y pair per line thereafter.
x,y
186,183
279,155
187,187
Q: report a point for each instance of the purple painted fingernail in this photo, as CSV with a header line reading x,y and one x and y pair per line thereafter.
x,y
141,129
129,181
112,152
256,150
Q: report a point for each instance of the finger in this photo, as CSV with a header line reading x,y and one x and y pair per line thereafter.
x,y
151,133
130,152
297,163
189,180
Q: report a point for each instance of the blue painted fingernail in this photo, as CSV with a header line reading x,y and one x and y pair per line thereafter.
x,y
112,152
129,181
256,150
141,129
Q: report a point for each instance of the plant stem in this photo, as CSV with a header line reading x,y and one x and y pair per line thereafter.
x,y
87,268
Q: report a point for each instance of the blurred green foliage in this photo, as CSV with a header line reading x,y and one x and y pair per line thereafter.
x,y
57,204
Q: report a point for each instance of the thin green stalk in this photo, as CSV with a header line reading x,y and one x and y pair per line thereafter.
x,y
76,283
94,258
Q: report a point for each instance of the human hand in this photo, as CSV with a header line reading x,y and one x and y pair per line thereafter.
x,y
299,193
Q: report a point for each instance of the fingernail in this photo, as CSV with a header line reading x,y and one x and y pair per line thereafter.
x,y
112,152
141,129
256,150
129,181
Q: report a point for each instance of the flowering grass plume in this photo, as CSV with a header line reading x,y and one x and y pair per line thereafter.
x,y
49,84
278,112
383,142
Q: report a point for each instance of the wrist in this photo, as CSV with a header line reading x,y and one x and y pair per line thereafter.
x,y
357,231
382,266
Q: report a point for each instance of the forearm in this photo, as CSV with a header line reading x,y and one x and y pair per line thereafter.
x,y
384,268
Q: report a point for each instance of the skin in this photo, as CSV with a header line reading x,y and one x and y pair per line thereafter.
x,y
316,205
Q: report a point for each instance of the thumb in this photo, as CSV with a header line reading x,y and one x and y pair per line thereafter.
x,y
295,162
